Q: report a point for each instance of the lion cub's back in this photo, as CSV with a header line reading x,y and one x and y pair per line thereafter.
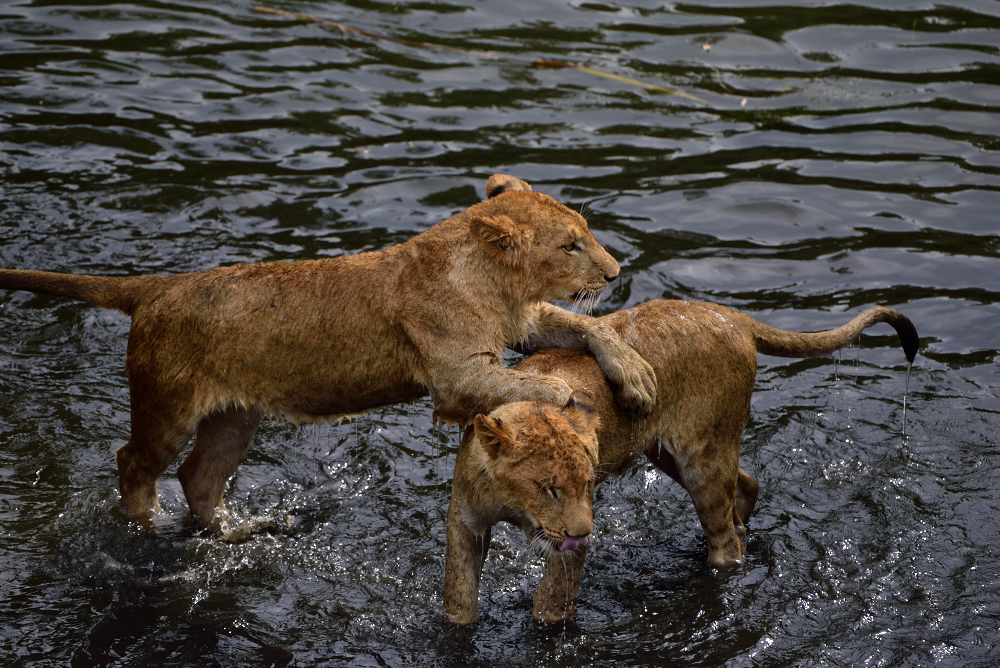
x,y
705,361
288,334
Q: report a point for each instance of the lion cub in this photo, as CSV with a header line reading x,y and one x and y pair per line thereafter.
x,y
535,464
210,353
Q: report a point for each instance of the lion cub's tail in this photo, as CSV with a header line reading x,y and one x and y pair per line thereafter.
x,y
780,343
120,293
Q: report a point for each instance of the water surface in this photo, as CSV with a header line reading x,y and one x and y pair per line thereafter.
x,y
863,169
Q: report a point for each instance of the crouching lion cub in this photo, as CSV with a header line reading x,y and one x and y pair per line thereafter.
x,y
535,464
211,352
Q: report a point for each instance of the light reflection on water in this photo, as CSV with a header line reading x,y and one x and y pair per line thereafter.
x,y
152,138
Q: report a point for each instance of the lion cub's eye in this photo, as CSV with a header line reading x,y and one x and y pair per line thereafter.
x,y
569,248
551,491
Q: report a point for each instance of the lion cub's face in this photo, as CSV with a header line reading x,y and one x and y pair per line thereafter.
x,y
540,460
549,246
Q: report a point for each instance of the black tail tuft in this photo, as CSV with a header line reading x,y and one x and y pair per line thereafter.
x,y
908,337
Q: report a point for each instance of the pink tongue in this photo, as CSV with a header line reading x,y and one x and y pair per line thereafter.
x,y
572,543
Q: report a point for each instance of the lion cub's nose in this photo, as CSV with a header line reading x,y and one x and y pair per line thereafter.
x,y
611,277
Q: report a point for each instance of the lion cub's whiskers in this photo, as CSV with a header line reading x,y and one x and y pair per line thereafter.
x,y
586,300
540,544
605,468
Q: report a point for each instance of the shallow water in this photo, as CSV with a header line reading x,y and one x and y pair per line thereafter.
x,y
863,169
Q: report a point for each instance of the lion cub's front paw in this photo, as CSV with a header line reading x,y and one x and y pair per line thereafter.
x,y
637,388
559,389
633,377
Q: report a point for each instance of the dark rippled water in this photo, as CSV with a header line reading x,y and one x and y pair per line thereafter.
x,y
863,169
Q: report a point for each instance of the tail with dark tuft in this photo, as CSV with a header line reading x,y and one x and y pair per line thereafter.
x,y
781,343
908,336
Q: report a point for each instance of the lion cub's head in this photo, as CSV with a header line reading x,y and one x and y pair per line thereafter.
x,y
540,463
548,245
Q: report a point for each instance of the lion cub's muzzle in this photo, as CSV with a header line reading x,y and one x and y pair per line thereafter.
x,y
593,289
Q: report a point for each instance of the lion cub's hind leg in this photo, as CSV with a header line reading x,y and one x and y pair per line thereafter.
x,y
221,443
144,459
712,485
746,498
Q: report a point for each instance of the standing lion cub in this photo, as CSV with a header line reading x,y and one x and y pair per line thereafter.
x,y
535,464
210,353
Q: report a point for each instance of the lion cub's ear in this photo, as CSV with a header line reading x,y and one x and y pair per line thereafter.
x,y
493,434
501,183
501,237
585,419
581,413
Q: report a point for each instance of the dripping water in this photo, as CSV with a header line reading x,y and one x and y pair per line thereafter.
x,y
906,392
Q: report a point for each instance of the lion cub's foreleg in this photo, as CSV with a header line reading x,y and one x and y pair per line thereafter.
x,y
477,385
465,554
633,377
555,598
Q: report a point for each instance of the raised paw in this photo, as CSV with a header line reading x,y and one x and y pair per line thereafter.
x,y
559,390
636,392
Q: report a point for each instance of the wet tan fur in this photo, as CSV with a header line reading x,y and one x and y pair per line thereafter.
x,y
705,359
210,353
